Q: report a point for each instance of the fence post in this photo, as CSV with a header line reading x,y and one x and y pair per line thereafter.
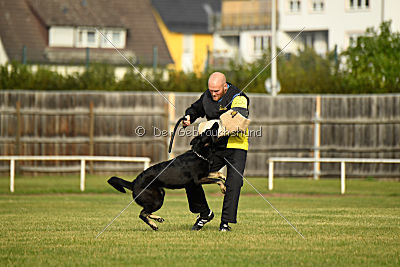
x,y
18,133
270,175
166,119
83,175
317,137
12,174
342,177
91,135
171,119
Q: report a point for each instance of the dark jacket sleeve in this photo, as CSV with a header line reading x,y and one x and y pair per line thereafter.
x,y
196,110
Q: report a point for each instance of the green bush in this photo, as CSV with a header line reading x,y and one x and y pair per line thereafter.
x,y
371,65
307,73
15,75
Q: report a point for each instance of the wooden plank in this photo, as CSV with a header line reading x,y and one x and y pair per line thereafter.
x,y
91,135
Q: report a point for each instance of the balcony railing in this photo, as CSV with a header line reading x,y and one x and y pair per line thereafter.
x,y
259,20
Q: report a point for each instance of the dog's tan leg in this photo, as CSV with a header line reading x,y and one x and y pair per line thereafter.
x,y
214,175
156,218
145,217
221,177
222,187
217,175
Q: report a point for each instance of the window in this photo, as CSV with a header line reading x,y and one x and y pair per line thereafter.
x,y
358,4
86,38
116,38
260,44
89,37
294,6
352,38
318,5
308,39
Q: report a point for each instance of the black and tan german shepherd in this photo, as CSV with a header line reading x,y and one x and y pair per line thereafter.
x,y
191,167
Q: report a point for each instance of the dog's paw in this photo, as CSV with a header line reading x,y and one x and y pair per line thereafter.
x,y
222,187
160,220
223,190
156,218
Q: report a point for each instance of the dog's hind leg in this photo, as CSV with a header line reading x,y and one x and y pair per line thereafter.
x,y
145,217
151,200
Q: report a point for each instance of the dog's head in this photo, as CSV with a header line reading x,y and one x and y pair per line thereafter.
x,y
203,143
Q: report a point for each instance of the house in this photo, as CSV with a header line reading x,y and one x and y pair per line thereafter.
x,y
243,32
187,26
330,23
59,33
244,29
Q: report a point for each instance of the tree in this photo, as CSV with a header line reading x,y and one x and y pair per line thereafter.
x,y
307,73
371,64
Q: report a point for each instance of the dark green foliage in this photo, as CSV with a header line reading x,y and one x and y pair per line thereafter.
x,y
132,81
182,82
307,73
370,65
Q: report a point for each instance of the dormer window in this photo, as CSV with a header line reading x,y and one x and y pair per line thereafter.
x,y
86,37
117,37
91,38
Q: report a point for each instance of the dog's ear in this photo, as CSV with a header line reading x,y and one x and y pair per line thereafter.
x,y
194,141
214,132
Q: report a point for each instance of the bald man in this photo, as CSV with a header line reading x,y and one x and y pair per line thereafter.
x,y
220,97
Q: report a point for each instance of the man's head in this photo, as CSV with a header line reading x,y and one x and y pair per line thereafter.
x,y
217,85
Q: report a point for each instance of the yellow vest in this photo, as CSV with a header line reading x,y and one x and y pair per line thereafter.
x,y
239,140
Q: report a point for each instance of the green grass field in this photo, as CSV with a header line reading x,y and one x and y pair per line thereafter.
x,y
47,221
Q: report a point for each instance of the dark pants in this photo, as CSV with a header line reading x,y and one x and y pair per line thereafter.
x,y
234,182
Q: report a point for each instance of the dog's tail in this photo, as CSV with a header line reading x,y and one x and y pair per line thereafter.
x,y
120,184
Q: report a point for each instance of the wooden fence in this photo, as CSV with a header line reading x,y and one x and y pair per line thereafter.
x,y
106,124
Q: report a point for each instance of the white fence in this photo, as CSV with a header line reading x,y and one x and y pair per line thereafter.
x,y
342,162
82,159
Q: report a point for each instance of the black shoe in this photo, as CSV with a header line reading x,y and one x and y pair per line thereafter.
x,y
224,227
201,221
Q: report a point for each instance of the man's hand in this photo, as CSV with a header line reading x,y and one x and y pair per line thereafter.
x,y
187,121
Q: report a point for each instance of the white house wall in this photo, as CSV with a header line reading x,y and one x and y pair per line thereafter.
x,y
392,11
337,19
222,47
